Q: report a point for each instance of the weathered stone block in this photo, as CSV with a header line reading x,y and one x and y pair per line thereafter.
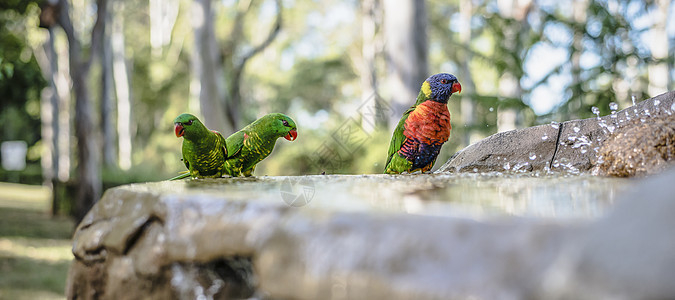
x,y
569,146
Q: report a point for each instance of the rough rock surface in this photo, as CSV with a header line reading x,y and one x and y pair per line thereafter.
x,y
639,149
238,238
566,146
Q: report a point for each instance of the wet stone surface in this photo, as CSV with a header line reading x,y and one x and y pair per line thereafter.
x,y
358,237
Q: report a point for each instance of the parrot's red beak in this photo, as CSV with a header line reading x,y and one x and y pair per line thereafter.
x,y
179,130
456,87
292,135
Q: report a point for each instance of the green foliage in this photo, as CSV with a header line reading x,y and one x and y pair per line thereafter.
x,y
319,151
20,79
316,83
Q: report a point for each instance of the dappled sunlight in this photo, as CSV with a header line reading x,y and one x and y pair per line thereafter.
x,y
29,294
44,250
25,196
35,248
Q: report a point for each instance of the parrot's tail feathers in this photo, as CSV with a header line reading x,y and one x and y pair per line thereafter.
x,y
185,174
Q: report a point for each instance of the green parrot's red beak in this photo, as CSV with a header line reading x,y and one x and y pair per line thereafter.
x,y
179,130
292,135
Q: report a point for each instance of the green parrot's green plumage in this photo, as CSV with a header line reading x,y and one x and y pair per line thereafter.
x,y
255,142
204,151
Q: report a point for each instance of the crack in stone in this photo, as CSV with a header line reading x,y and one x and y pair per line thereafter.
x,y
557,143
138,233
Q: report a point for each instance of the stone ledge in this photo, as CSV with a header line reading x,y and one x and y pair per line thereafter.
x,y
236,238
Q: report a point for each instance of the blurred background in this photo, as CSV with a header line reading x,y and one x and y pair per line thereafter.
x,y
89,89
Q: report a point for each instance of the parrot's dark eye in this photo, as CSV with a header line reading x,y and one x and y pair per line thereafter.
x,y
444,81
284,122
188,122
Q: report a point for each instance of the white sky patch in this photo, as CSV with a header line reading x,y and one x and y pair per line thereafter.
x,y
589,60
546,97
541,60
312,121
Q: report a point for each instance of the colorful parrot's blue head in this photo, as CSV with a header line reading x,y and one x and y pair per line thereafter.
x,y
439,87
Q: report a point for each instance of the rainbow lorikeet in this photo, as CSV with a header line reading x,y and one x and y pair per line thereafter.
x,y
204,151
424,127
252,144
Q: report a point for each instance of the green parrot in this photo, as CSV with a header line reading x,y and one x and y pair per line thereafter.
x,y
204,151
424,127
255,142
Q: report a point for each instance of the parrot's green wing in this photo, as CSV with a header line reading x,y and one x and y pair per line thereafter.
x,y
397,139
234,143
186,162
222,142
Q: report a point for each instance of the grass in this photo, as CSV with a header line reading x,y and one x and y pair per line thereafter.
x,y
35,248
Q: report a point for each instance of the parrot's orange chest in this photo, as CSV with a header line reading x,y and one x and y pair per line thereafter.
x,y
429,123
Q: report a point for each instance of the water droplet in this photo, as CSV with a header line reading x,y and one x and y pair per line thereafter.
x,y
492,109
595,110
555,124
520,165
583,150
632,98
533,156
657,102
544,137
672,107
613,106
647,112
576,129
507,166
475,170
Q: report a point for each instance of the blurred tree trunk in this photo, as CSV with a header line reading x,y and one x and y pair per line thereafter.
x,y
207,82
121,84
163,16
579,17
236,37
509,82
54,107
107,107
49,114
63,84
658,45
406,52
372,113
468,104
88,167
